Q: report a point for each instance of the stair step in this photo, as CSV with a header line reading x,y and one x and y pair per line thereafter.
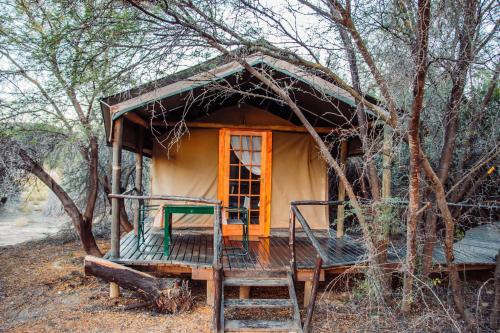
x,y
243,274
259,303
260,326
255,282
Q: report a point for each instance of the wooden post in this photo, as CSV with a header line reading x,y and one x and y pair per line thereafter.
x,y
307,292
217,320
138,178
210,292
244,292
341,190
495,311
218,325
291,245
114,290
314,293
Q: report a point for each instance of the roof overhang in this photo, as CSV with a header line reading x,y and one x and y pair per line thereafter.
x,y
319,89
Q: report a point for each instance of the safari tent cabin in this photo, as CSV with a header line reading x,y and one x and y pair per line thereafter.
x,y
238,188
216,134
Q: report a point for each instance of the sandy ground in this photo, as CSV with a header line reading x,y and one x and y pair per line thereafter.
x,y
35,214
17,227
43,289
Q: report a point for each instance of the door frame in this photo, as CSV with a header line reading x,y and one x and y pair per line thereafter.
x,y
264,227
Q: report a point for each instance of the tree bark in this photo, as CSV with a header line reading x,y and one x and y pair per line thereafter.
x,y
414,145
166,295
82,226
138,178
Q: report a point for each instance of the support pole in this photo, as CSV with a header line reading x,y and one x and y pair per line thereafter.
x,y
313,295
138,179
308,286
244,292
210,292
341,190
218,294
291,245
115,202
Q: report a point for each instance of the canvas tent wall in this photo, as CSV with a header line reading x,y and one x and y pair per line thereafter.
x,y
191,168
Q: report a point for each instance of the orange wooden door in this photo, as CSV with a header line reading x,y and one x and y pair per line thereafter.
x,y
245,177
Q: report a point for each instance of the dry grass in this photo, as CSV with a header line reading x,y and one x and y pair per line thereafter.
x,y
43,289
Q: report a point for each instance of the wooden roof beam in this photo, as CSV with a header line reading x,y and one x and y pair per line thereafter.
x,y
279,128
136,119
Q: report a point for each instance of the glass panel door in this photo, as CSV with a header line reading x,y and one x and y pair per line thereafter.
x,y
245,174
244,177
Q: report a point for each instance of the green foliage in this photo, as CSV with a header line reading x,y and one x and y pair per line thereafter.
x,y
436,281
459,234
57,58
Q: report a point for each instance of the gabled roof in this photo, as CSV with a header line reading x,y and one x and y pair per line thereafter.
x,y
324,103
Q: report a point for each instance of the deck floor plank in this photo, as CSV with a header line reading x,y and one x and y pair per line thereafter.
x,y
304,252
189,250
139,255
160,251
253,252
175,248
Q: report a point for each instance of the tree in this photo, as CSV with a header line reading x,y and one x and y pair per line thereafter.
x,y
403,32
61,56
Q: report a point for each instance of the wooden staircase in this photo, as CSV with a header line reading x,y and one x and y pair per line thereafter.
x,y
292,324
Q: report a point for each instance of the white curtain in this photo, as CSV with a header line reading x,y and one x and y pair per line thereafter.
x,y
244,156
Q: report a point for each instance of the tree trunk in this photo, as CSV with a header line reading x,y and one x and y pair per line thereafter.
x,y
93,159
361,116
124,222
449,237
414,145
82,226
166,295
380,236
465,56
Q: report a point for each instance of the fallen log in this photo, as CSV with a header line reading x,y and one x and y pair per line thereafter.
x,y
166,295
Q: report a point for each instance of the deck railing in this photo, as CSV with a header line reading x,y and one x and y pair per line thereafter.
x,y
217,240
321,256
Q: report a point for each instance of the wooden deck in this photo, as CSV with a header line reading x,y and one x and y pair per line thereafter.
x,y
194,250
